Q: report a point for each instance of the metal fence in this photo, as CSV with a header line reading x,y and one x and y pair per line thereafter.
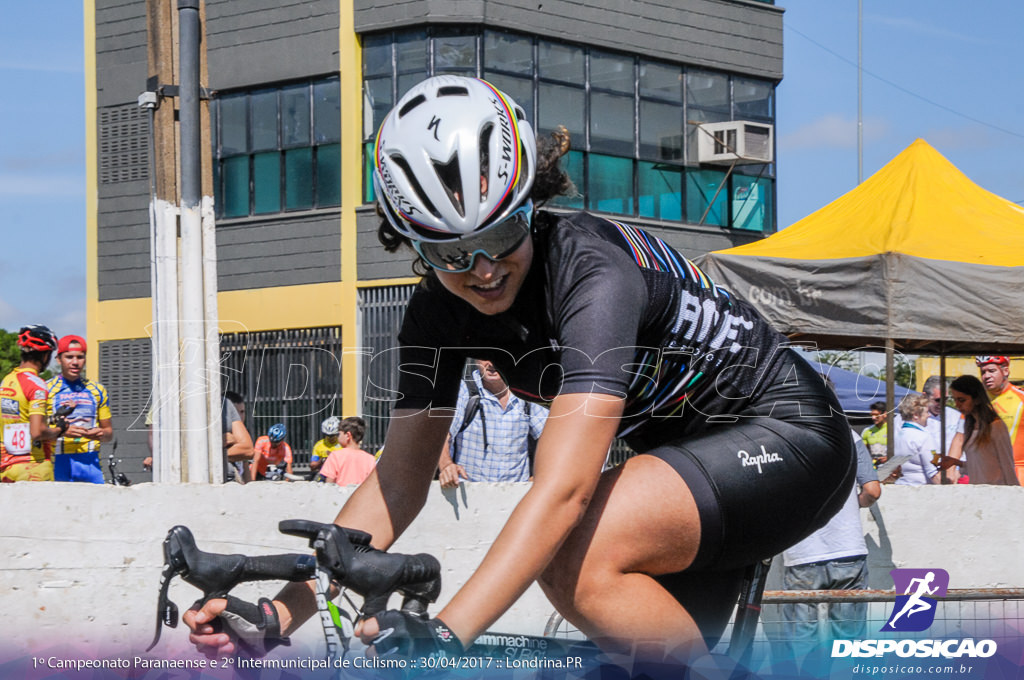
x,y
380,316
290,376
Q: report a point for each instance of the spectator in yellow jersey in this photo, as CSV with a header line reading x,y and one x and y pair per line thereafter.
x,y
876,435
77,452
27,450
322,449
1008,402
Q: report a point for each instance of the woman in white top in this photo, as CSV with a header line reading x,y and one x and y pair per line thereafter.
x,y
915,441
986,439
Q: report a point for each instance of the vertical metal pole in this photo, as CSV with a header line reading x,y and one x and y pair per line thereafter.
x,y
193,349
890,394
860,91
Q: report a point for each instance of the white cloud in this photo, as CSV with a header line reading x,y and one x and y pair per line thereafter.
x,y
908,25
34,185
832,131
970,137
11,317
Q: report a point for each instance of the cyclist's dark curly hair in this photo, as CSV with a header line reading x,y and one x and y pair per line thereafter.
x,y
549,181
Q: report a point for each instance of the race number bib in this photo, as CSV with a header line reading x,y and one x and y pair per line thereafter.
x,y
17,439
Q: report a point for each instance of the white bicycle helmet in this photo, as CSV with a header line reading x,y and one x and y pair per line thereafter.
x,y
435,149
330,426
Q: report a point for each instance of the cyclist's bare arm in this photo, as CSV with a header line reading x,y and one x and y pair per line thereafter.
x,y
570,454
387,502
39,430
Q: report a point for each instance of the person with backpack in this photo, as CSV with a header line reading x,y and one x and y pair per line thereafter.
x,y
493,432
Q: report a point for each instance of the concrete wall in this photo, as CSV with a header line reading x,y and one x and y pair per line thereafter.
x,y
80,565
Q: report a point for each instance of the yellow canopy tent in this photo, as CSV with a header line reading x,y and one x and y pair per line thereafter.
x,y
917,256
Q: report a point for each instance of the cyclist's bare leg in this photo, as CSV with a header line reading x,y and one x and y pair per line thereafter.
x,y
642,522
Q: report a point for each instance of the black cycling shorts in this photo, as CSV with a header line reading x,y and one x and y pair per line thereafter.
x,y
767,480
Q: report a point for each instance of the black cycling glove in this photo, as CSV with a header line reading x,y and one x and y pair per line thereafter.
x,y
256,626
411,636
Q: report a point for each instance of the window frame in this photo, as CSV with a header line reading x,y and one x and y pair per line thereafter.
x,y
641,156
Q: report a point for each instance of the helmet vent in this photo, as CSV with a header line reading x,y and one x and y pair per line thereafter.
x,y
452,91
485,156
411,104
403,165
451,180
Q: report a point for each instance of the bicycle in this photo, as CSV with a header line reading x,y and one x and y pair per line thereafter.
x,y
116,478
345,557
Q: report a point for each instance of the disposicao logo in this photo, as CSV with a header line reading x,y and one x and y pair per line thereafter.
x,y
914,611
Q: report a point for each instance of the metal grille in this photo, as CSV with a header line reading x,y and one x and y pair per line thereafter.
x,y
286,376
381,311
123,144
125,370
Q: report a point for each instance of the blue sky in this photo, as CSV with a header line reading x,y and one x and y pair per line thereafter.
x,y
942,71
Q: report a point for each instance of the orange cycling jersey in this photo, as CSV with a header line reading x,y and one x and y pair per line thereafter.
x,y
22,395
1009,404
282,453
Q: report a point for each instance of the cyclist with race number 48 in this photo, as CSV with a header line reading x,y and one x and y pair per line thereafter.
x,y
743,449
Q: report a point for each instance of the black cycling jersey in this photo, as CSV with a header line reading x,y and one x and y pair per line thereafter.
x,y
609,308
605,308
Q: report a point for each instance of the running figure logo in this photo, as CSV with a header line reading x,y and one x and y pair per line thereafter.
x,y
914,610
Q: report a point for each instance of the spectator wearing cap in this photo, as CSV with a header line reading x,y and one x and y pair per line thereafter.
x,y
1008,402
28,434
77,451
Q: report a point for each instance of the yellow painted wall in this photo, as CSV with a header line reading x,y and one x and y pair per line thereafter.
x,y
302,306
955,366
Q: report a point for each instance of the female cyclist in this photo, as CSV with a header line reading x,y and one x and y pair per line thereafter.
x,y
743,449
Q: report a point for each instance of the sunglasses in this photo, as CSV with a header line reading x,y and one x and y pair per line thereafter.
x,y
495,243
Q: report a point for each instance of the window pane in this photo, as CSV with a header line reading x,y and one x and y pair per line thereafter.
x,y
298,179
508,53
707,90
610,184
572,163
232,125
295,116
327,111
701,187
661,191
454,52
264,120
611,72
692,131
751,203
753,98
560,62
661,131
328,175
561,105
377,56
407,80
611,124
411,52
236,186
663,82
377,101
368,194
266,185
520,89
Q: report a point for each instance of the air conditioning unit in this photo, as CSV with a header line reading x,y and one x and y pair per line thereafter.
x,y
735,141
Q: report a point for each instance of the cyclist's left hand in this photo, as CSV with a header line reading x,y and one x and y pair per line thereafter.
x,y
398,633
